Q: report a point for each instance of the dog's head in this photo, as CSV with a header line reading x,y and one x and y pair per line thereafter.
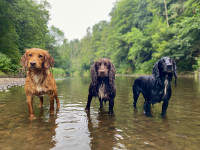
x,y
36,59
102,68
165,65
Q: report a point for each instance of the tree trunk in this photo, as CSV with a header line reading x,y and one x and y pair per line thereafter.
x,y
166,14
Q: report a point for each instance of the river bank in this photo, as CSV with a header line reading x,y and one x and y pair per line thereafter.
x,y
9,82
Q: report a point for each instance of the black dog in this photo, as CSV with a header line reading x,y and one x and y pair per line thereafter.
x,y
103,83
156,88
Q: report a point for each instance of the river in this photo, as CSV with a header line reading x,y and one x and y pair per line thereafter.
x,y
74,129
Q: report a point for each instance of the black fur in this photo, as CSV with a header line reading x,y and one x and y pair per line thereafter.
x,y
102,86
153,87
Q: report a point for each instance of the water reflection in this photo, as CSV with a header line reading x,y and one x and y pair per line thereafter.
x,y
40,134
102,127
72,128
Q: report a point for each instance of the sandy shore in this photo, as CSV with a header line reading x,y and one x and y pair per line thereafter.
x,y
9,82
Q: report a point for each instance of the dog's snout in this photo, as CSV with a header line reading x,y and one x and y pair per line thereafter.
x,y
33,64
169,66
102,72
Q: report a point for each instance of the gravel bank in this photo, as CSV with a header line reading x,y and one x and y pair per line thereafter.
x,y
9,82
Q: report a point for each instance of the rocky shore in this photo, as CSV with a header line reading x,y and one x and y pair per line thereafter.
x,y
9,82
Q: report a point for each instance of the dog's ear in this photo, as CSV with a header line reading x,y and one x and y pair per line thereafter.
x,y
112,75
93,74
175,72
156,71
24,60
48,61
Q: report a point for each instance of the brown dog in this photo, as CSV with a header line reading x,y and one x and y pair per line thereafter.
x,y
39,80
103,83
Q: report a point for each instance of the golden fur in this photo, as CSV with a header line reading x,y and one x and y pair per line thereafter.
x,y
39,80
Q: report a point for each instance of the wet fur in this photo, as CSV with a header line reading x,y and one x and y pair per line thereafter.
x,y
39,80
102,87
157,87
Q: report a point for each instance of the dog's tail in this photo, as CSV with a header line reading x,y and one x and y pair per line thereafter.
x,y
136,92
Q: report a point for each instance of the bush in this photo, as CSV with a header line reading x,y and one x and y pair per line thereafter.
x,y
123,69
58,71
197,65
5,64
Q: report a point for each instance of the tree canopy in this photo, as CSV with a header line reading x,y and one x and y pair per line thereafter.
x,y
142,31
138,34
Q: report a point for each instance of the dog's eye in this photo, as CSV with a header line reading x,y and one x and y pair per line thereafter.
x,y
106,64
40,56
30,55
98,64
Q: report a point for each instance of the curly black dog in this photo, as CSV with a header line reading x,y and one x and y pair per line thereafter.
x,y
157,87
103,83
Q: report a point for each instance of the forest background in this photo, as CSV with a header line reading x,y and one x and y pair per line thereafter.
x,y
138,34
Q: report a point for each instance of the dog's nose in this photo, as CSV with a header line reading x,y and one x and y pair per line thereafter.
x,y
169,66
102,72
33,64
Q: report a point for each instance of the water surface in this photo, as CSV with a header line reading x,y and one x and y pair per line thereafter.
x,y
72,128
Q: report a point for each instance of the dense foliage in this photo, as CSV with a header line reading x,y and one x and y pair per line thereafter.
x,y
23,24
139,33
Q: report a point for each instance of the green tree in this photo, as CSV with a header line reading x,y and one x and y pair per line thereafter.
x,y
23,24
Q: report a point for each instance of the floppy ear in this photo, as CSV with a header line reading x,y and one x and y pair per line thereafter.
x,y
24,60
175,72
155,71
93,74
48,61
112,75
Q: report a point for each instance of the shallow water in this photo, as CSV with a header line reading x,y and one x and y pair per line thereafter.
x,y
72,128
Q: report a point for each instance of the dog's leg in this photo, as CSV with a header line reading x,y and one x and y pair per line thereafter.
x,y
111,105
57,102
29,99
164,108
51,97
136,94
147,108
88,102
101,103
41,101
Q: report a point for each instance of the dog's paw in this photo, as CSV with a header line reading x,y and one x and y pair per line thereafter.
x,y
148,115
134,105
58,107
32,117
51,112
87,109
110,112
40,106
163,115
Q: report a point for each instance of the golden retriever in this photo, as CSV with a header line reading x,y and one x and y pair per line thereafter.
x,y
39,80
